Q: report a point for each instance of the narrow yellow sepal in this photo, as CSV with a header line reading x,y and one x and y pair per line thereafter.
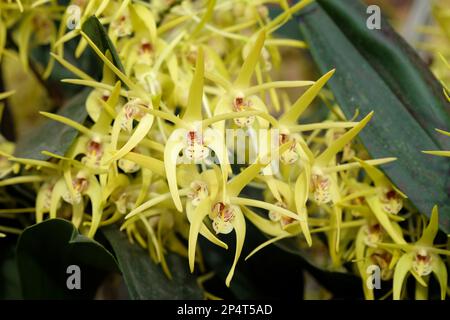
x,y
246,72
200,212
239,229
325,157
193,110
290,117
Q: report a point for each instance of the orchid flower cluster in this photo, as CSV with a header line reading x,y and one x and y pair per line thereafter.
x,y
158,152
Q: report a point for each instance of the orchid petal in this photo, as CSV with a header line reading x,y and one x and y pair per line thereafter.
x,y
440,271
77,213
68,122
204,231
152,239
193,110
277,84
233,115
139,133
206,17
264,205
22,179
147,18
147,176
214,142
66,64
279,20
265,244
58,191
325,157
173,147
438,153
290,117
148,204
94,192
337,211
267,226
153,164
404,265
431,230
238,183
301,191
239,229
200,212
360,250
245,74
119,181
375,174
443,132
383,219
108,62
421,292
41,204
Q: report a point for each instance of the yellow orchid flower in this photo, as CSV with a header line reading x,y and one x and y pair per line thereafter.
x,y
192,134
240,96
367,253
225,211
385,201
319,176
420,259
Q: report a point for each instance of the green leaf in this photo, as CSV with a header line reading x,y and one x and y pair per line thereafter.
x,y
394,130
47,249
51,135
409,78
94,29
145,279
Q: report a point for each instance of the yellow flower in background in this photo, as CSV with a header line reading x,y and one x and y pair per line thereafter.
x,y
447,96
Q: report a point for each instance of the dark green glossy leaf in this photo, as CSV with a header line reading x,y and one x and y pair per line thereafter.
x,y
398,65
144,278
394,130
51,135
47,249
94,29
